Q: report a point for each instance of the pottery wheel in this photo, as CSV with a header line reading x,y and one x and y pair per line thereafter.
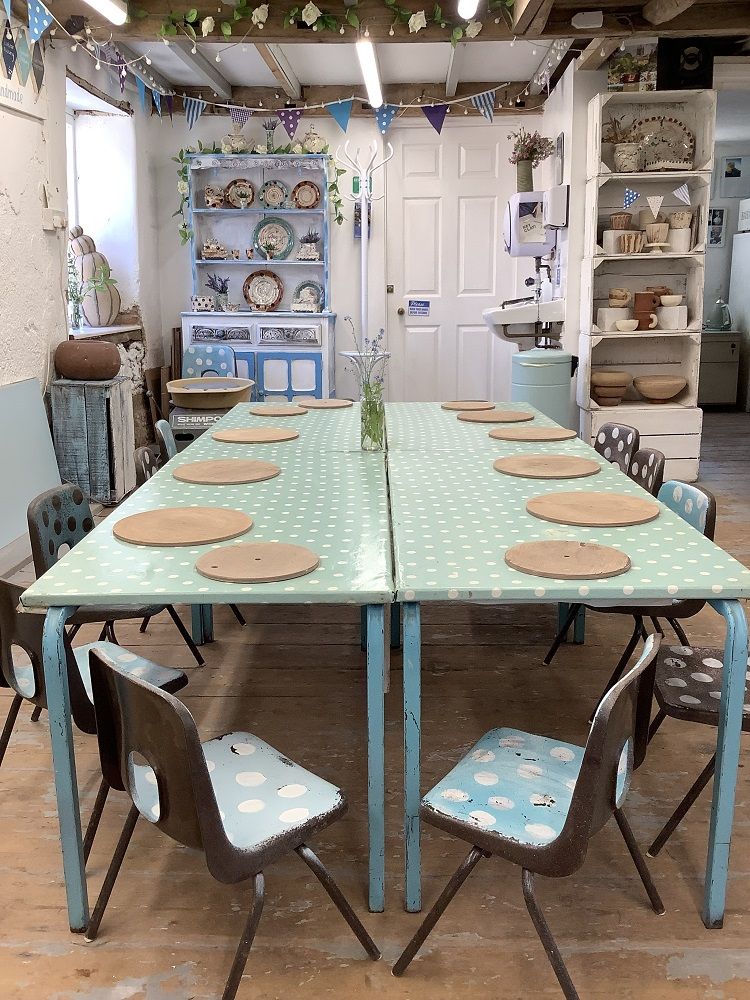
x,y
495,416
255,435
275,410
325,404
467,405
593,510
547,466
257,562
567,560
532,434
226,471
182,526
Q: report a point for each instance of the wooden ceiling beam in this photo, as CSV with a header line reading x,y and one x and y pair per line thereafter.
x,y
277,62
206,72
659,11
150,76
454,70
597,52
701,19
524,13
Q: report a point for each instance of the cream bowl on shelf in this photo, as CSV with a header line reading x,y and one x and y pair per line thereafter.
x,y
659,388
671,300
626,325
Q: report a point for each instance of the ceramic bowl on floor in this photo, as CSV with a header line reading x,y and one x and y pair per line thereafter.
x,y
659,388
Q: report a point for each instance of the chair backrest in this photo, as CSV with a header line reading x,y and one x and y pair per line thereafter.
x,y
136,720
208,359
617,443
147,462
647,469
693,503
608,760
165,439
57,517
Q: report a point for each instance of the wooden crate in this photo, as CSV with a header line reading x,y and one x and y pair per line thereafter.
x,y
94,437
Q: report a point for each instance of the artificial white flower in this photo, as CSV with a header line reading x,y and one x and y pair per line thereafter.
x,y
260,14
417,22
207,26
261,148
297,148
182,187
472,29
310,13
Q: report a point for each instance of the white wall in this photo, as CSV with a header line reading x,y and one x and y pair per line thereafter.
x,y
719,259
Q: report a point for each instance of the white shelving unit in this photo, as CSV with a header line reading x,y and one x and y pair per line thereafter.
x,y
673,427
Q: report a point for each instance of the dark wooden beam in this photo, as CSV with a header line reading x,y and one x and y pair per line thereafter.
x,y
727,19
659,11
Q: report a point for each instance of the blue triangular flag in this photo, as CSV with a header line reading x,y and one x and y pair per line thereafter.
x,y
341,112
39,19
23,60
7,7
193,110
141,92
157,101
629,197
384,115
9,50
485,104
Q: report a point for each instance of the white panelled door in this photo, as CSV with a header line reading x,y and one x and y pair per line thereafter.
x,y
445,200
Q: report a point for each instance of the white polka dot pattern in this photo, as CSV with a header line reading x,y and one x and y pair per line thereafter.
x,y
688,684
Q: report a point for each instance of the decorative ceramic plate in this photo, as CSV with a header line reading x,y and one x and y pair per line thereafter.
x,y
306,195
274,194
263,290
309,296
277,232
239,193
667,143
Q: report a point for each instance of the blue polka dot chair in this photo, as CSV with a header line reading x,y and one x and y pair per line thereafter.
x,y
147,463
617,443
58,519
537,802
235,798
22,672
647,469
165,440
697,507
208,359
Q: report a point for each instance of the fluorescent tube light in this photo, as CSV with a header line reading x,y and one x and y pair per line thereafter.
x,y
369,66
113,10
467,9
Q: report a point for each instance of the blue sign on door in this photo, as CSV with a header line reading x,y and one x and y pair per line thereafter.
x,y
419,307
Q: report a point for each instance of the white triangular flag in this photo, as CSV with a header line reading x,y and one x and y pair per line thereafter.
x,y
655,203
682,193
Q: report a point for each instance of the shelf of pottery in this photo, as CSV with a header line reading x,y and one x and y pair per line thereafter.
x,y
649,163
260,266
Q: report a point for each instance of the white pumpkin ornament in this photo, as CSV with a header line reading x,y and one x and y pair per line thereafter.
x,y
101,304
313,142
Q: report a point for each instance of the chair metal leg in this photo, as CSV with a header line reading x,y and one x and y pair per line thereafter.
x,y
103,633
342,905
635,638
679,631
682,809
639,861
655,724
238,614
560,637
465,869
112,872
187,638
545,936
112,634
36,714
246,941
144,624
96,815
74,629
657,626
10,722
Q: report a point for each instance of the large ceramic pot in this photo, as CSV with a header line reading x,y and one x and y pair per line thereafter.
x,y
87,360
627,157
524,176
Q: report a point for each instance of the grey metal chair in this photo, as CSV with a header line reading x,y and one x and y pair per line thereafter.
x,y
617,443
537,802
165,440
61,517
647,469
21,638
204,796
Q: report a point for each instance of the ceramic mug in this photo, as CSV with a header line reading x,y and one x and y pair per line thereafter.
x,y
646,321
202,303
658,290
643,310
619,297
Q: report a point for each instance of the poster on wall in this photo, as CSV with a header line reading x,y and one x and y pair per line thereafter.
x,y
735,177
717,218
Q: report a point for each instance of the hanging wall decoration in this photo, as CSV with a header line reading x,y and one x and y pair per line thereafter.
x,y
9,50
37,68
39,19
384,115
23,57
6,4
485,104
435,115
289,118
122,71
157,101
682,194
341,112
170,105
142,94
655,202
240,116
193,110
630,197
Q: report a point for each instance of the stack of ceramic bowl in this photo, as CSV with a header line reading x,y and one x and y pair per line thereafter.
x,y
609,385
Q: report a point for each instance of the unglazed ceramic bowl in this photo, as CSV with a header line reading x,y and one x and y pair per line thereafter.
x,y
626,325
611,377
659,388
671,300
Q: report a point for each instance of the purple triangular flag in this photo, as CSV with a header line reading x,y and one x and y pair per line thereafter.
x,y
435,115
170,105
9,50
289,118
384,115
341,112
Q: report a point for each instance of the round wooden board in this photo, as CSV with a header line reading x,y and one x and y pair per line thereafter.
x,y
547,466
593,510
532,434
273,410
495,416
567,560
226,471
257,562
325,404
182,526
467,405
255,435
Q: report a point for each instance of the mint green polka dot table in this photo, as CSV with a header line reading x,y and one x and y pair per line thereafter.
x,y
319,430
454,517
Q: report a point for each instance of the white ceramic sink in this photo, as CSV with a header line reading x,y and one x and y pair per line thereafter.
x,y
516,322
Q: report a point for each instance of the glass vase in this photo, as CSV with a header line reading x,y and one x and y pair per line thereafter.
x,y
372,417
524,176
220,301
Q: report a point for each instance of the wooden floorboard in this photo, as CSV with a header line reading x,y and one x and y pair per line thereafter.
x,y
295,678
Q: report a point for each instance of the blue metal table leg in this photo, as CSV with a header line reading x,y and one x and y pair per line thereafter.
x,y
64,764
396,625
727,758
376,753
202,623
579,627
412,730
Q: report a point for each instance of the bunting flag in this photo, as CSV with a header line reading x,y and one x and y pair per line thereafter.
x,y
142,93
384,115
341,112
682,194
157,101
240,116
6,3
23,54
121,70
485,104
9,51
37,68
193,110
289,118
39,19
629,197
655,203
170,105
435,115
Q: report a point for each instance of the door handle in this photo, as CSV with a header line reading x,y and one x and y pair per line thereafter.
x,y
401,311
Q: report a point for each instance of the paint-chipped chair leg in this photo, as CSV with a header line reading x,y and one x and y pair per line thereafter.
x,y
144,624
656,724
342,905
186,637
562,633
545,936
94,818
238,614
10,722
679,631
683,808
112,872
640,863
36,714
246,941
